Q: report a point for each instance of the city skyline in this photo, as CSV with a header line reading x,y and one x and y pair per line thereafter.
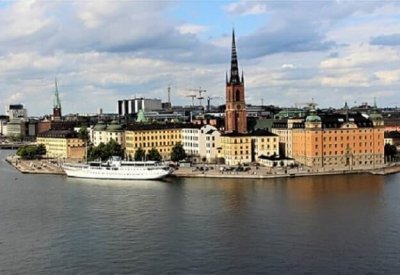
x,y
290,51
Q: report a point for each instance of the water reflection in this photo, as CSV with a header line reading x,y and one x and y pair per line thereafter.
x,y
299,192
117,183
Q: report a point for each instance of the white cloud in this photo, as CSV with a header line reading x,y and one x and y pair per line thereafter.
x,y
191,28
363,55
348,79
388,77
288,66
22,19
246,8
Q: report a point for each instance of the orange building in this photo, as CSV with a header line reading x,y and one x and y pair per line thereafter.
x,y
339,141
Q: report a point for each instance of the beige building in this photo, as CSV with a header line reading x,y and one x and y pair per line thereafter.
x,y
62,144
284,130
103,133
238,149
147,136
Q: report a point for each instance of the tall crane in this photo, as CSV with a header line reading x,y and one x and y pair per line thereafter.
x,y
209,98
200,92
193,96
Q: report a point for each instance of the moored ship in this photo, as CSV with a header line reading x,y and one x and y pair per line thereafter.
x,y
118,169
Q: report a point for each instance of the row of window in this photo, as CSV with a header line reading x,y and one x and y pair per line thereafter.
x,y
348,138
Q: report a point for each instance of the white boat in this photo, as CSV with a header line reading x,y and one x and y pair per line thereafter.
x,y
118,169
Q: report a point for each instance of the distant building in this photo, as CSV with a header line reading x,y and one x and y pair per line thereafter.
x,y
133,106
17,124
16,111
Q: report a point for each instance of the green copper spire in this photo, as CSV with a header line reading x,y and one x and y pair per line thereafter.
x,y
56,101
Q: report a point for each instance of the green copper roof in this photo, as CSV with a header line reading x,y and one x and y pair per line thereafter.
x,y
114,126
313,117
141,117
100,126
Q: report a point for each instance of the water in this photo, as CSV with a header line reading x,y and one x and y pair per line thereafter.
x,y
320,225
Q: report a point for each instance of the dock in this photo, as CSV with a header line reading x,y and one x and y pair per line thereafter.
x,y
43,166
48,166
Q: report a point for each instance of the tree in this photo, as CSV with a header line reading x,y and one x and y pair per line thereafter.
x,y
105,151
31,151
83,133
140,154
390,151
153,154
178,153
41,150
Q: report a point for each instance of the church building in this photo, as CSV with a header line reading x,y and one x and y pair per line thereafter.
x,y
238,146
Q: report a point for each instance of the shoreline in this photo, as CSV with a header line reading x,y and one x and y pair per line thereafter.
x,y
46,166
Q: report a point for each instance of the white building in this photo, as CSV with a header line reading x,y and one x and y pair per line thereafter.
x,y
209,142
190,142
132,106
16,111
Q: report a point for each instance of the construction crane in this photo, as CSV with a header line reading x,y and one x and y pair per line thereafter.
x,y
193,96
200,91
311,104
209,98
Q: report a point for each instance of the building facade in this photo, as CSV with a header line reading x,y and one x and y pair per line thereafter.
x,y
339,142
103,133
133,106
62,144
160,136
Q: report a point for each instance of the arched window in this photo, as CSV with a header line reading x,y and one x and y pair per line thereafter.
x,y
237,95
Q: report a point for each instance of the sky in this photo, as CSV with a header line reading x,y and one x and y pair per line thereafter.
x,y
291,51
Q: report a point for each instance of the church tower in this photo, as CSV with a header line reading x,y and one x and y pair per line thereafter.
x,y
56,104
235,110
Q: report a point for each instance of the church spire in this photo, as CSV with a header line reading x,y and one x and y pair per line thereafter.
x,y
235,79
56,102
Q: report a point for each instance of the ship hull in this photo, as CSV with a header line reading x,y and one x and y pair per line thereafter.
x,y
120,173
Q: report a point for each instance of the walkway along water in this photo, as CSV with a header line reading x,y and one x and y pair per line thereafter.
x,y
47,166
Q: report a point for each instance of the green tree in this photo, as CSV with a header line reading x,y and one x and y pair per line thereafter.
x,y
390,151
41,150
83,133
178,153
140,154
105,151
31,151
153,154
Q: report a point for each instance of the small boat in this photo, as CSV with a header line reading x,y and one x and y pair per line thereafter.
x,y
116,168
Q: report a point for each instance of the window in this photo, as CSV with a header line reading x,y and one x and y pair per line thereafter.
x,y
237,96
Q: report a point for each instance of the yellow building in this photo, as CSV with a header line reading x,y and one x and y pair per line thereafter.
x,y
339,141
62,144
147,136
238,149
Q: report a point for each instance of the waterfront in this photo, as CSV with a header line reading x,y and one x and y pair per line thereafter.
x,y
50,224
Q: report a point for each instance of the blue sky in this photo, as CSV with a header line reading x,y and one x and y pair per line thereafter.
x,y
291,51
